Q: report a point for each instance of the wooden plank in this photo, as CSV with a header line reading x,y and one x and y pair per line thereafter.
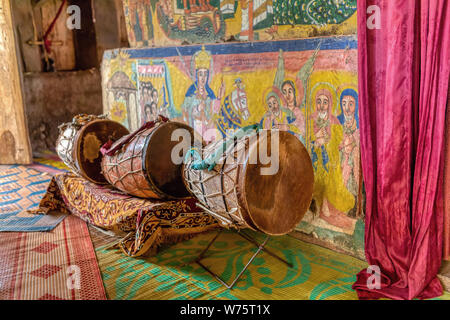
x,y
14,140
325,244
106,26
85,39
64,55
122,24
23,23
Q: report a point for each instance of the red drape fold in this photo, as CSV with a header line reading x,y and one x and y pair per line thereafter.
x,y
403,71
447,186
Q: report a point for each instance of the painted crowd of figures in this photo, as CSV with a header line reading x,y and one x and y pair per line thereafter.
x,y
149,101
285,109
305,84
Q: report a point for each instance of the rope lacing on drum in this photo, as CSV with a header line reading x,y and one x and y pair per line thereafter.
x,y
197,187
210,162
110,149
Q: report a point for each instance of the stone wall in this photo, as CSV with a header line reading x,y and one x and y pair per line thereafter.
x,y
54,98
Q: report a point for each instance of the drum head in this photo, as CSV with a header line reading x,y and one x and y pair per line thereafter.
x,y
89,141
277,201
164,172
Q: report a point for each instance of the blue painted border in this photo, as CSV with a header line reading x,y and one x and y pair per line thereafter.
x,y
331,43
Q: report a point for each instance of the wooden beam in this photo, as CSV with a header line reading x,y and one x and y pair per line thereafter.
x,y
63,48
85,40
14,140
23,23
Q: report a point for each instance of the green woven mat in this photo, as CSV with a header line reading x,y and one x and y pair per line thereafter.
x,y
318,273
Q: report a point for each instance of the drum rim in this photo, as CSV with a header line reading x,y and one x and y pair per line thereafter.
x,y
245,213
77,146
72,165
159,193
244,187
148,178
108,160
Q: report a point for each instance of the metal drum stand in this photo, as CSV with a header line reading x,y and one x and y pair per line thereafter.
x,y
260,246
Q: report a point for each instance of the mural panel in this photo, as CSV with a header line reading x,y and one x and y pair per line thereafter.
x,y
307,87
175,22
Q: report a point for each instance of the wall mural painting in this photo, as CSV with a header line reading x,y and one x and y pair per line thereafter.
x,y
175,22
307,87
138,90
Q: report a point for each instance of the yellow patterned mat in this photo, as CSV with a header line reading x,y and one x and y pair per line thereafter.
x,y
319,273
48,162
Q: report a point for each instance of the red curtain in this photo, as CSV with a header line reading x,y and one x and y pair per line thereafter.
x,y
403,82
447,185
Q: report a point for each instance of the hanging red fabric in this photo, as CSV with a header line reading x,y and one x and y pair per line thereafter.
x,y
403,81
47,42
447,186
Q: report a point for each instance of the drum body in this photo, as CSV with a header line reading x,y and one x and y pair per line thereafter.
x,y
143,166
80,141
246,189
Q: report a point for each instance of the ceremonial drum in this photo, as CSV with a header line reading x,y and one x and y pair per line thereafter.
x,y
79,144
242,188
141,164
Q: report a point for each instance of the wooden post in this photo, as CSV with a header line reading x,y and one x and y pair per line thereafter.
x,y
14,140
85,39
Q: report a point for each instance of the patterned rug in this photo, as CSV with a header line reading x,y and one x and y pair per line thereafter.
x,y
48,162
143,224
22,189
57,265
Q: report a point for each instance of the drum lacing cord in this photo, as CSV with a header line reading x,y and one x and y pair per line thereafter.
x,y
110,150
210,162
199,193
80,120
219,217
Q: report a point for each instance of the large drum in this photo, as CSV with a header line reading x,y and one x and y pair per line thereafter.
x,y
142,164
79,144
258,179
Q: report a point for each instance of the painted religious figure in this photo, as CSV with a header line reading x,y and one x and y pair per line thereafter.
x,y
149,101
200,102
276,115
350,146
145,97
192,21
235,110
294,94
140,15
150,112
154,84
330,194
323,120
163,106
173,22
197,6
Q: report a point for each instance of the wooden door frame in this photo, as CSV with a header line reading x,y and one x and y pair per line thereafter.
x,y
15,145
